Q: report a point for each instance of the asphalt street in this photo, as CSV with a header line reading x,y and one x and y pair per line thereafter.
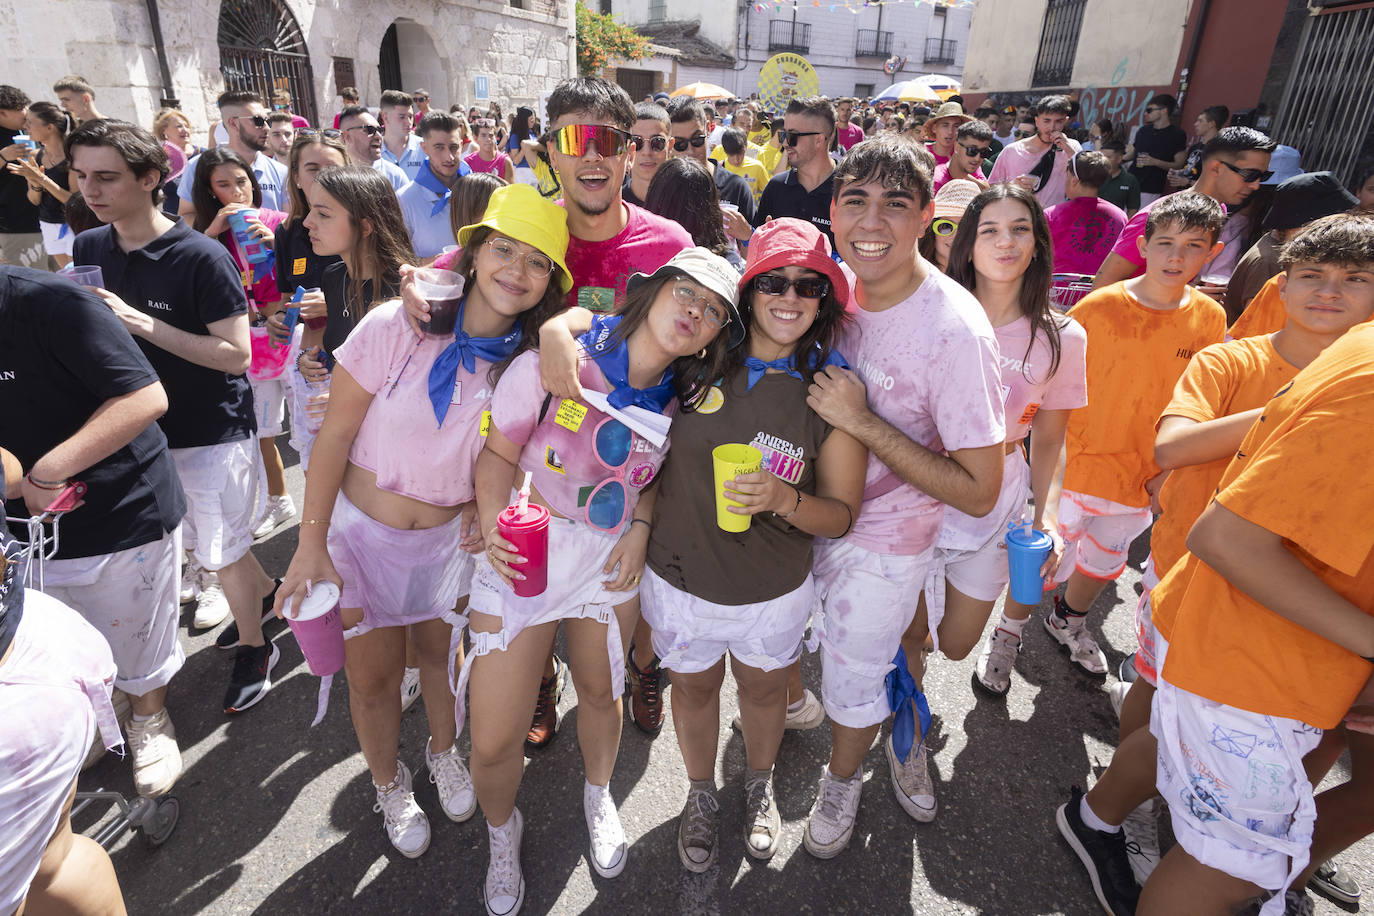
x,y
276,817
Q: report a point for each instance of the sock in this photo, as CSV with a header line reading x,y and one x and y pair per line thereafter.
x,y
1090,818
797,706
588,785
1064,612
1012,626
138,718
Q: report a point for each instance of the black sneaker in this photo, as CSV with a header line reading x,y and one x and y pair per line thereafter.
x,y
1104,857
228,637
1333,881
252,676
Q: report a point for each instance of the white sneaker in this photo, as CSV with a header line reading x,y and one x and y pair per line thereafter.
x,y
456,794
603,825
1117,694
191,575
911,782
410,688
211,605
1083,650
279,509
156,757
832,817
504,890
1141,829
808,715
406,825
993,671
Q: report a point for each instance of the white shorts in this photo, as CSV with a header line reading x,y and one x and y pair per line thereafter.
x,y
269,405
691,634
54,691
398,577
131,598
1238,795
1149,644
299,391
867,600
54,240
1097,535
221,499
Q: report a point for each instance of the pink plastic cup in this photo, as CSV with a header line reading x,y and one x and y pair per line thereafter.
x,y
529,532
318,628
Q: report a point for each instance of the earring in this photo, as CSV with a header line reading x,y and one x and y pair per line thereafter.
x,y
702,354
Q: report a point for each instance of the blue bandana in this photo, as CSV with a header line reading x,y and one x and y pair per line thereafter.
x,y
758,367
906,703
465,351
426,179
614,363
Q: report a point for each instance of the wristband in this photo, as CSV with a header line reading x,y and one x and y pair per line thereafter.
x,y
794,508
46,484
315,521
642,522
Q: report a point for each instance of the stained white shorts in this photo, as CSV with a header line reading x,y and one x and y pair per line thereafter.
x,y
221,499
269,404
1097,534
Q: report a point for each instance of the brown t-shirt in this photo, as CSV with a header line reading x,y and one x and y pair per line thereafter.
x,y
772,558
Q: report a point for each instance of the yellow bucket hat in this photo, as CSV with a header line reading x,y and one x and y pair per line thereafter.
x,y
518,211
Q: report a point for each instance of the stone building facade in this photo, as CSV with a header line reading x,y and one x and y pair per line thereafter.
x,y
513,49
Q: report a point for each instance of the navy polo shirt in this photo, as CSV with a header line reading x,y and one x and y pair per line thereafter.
x,y
785,196
63,354
297,263
188,280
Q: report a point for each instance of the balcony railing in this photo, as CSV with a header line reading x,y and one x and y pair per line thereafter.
x,y
872,43
940,50
785,35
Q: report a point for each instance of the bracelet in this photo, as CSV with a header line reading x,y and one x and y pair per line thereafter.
x,y
794,508
315,521
46,484
642,522
849,527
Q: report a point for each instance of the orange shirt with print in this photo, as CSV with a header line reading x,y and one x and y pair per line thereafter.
x,y
1264,315
1298,474
1223,379
1135,355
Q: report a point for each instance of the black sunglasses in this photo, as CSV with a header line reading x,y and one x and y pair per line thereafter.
x,y
371,130
1023,134
975,152
680,143
806,287
258,120
307,133
1249,176
794,135
657,143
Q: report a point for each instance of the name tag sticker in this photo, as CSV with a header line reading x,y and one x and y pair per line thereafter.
x,y
298,267
570,415
486,424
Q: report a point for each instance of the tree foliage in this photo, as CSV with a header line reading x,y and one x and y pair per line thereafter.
x,y
600,40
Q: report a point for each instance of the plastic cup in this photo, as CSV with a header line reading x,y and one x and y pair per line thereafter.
x,y
90,275
443,290
318,628
529,532
730,461
1027,549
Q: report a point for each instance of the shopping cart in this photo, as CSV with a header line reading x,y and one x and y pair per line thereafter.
x,y
156,818
1067,289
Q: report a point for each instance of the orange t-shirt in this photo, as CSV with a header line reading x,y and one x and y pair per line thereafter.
x,y
1264,315
1223,379
1135,355
1298,474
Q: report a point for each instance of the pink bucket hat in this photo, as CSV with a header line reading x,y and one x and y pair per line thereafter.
x,y
789,242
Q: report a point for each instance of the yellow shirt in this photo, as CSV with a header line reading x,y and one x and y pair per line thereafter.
x,y
753,173
769,158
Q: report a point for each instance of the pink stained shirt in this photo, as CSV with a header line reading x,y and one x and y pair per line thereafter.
x,y
400,440
1084,230
600,269
941,177
849,135
1027,387
495,166
1018,159
1135,228
931,367
265,291
559,451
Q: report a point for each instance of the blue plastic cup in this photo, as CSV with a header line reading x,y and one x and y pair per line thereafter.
x,y
1027,549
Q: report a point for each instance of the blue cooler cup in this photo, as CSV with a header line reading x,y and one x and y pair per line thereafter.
x,y
1027,549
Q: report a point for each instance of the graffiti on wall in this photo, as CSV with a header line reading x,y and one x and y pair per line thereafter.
x,y
1121,104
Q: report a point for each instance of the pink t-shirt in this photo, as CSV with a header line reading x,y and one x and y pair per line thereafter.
x,y
265,291
495,166
1135,227
399,440
939,159
849,135
600,269
447,259
1019,159
1084,230
559,452
931,367
941,177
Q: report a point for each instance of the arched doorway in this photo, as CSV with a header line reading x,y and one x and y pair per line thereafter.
x,y
408,60
261,48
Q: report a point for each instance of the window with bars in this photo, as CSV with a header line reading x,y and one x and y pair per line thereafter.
x,y
1058,42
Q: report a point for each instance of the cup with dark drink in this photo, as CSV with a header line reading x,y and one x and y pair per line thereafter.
x,y
443,290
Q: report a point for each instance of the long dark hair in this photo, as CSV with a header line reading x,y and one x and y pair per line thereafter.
x,y
54,117
683,191
819,339
366,195
552,303
1034,297
693,374
202,193
471,194
299,206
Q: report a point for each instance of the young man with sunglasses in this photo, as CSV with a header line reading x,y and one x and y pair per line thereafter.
x,y
425,201
650,140
244,118
1158,145
687,124
362,136
804,190
972,142
400,146
1037,162
1234,164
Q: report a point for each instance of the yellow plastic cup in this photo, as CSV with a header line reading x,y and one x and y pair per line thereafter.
x,y
730,461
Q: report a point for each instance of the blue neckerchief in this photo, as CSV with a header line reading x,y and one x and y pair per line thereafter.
x,y
758,367
464,351
426,179
906,703
614,363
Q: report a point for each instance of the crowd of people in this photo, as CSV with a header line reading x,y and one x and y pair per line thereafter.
x,y
875,298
